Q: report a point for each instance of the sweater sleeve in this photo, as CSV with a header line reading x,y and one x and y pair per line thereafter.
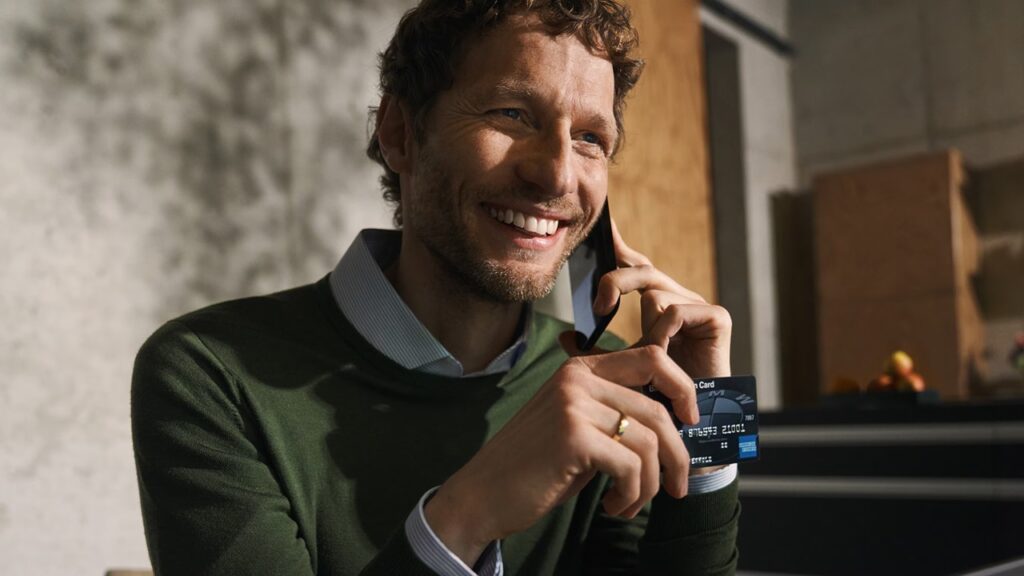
x,y
692,536
211,503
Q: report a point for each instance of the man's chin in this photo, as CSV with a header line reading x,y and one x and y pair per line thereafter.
x,y
499,275
514,282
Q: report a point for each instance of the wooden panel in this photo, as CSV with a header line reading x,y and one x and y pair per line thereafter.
x,y
658,188
885,230
895,249
858,337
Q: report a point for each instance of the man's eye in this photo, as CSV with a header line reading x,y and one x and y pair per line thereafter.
x,y
594,140
511,113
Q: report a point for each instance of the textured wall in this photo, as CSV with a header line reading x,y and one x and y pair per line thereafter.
x,y
155,156
881,78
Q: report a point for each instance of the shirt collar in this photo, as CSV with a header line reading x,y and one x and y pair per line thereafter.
x,y
379,314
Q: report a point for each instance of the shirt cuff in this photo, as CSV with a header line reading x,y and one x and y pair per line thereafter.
x,y
712,481
432,552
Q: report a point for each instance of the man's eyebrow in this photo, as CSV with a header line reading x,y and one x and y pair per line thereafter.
x,y
513,90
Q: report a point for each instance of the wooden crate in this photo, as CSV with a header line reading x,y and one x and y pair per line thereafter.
x,y
895,249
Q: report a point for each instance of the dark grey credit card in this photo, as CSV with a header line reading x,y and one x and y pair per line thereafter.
x,y
727,431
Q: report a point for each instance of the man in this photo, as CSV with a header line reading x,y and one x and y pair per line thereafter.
x,y
410,413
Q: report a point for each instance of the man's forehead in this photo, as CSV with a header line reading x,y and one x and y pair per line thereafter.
x,y
521,55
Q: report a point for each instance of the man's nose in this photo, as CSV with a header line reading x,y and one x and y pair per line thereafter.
x,y
550,165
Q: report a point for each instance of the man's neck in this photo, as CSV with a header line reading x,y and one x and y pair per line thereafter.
x,y
473,329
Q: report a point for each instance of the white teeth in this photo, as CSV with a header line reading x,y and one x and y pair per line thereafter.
x,y
528,223
531,224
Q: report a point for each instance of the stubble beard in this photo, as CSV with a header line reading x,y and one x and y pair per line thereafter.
x,y
439,226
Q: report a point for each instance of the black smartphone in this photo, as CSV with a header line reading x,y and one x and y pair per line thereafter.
x,y
591,260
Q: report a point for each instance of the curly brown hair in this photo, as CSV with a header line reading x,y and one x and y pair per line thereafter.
x,y
421,59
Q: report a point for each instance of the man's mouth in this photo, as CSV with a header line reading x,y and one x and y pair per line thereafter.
x,y
525,222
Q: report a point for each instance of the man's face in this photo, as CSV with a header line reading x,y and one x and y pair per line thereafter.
x,y
512,169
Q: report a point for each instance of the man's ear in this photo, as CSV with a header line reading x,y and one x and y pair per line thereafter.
x,y
394,133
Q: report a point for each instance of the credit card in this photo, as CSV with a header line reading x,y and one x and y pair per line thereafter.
x,y
727,431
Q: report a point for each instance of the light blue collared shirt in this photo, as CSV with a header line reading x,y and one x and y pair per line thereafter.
x,y
379,314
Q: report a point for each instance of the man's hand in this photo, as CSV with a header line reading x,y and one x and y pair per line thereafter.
x,y
560,439
695,334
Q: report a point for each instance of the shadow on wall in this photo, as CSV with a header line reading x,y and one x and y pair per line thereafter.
x,y
796,303
996,196
246,120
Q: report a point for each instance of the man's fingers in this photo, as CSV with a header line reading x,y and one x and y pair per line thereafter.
x,y
639,366
654,302
636,436
631,462
621,464
642,277
625,255
651,433
699,321
645,442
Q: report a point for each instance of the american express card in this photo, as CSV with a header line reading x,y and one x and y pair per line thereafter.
x,y
727,431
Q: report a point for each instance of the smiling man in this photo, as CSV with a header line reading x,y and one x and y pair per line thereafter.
x,y
411,413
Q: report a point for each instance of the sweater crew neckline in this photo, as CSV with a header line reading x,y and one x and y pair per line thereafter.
x,y
426,384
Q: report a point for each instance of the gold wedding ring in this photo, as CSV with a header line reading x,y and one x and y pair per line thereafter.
x,y
623,425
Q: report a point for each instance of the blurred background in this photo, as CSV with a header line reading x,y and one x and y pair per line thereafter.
x,y
845,176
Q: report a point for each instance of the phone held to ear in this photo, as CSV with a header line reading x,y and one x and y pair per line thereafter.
x,y
727,430
591,260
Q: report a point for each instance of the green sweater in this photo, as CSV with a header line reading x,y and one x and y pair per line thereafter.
x,y
270,438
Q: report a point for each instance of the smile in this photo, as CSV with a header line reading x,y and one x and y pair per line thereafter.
x,y
533,224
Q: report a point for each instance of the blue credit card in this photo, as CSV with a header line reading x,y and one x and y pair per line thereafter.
x,y
727,430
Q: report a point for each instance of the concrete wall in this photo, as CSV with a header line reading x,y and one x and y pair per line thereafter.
x,y
154,157
883,78
770,166
876,78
